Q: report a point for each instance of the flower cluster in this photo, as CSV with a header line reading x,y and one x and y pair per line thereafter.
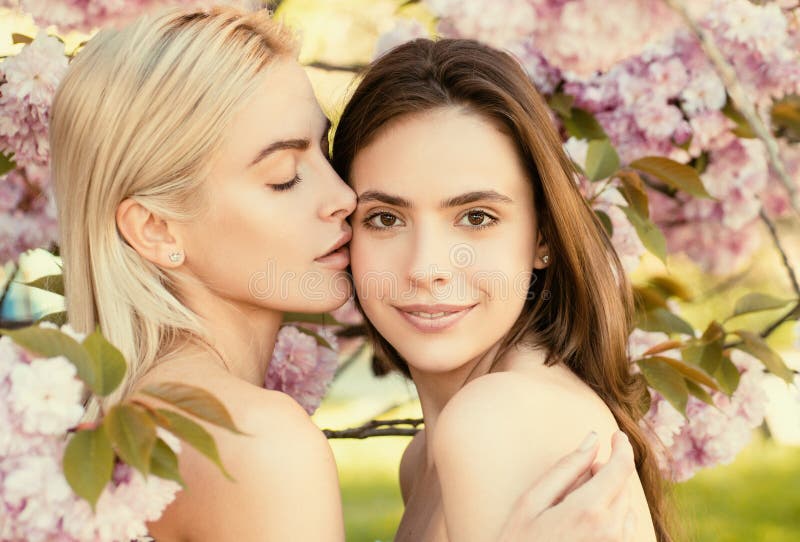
x,y
708,435
28,83
42,402
655,93
301,367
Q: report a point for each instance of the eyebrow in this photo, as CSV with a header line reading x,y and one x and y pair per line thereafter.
x,y
456,201
288,144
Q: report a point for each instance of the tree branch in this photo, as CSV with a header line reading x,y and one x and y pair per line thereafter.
x,y
378,428
785,257
735,90
353,68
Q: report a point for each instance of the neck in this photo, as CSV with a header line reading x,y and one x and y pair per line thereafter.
x,y
243,335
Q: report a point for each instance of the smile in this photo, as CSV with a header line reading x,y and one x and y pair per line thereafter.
x,y
435,318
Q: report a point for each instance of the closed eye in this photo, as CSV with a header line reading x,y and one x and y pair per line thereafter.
x,y
287,185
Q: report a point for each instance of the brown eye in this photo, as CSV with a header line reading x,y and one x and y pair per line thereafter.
x,y
476,217
382,221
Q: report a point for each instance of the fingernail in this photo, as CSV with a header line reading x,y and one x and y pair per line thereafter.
x,y
588,442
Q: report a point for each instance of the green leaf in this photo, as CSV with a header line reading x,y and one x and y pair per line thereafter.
x,y
133,434
20,38
195,401
659,319
675,174
756,347
324,319
670,287
50,343
321,341
711,357
728,376
691,372
714,332
561,103
50,283
742,129
583,125
606,221
648,233
647,298
699,392
58,318
667,381
164,463
633,191
192,433
109,363
756,302
6,164
786,117
89,463
602,159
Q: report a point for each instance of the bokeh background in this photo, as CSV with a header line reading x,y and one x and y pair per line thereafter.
x,y
756,498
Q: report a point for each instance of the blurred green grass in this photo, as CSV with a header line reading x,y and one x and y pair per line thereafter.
x,y
755,499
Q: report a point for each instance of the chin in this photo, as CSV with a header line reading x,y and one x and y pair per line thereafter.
x,y
436,359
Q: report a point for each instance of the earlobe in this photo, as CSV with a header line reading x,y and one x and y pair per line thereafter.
x,y
543,257
148,234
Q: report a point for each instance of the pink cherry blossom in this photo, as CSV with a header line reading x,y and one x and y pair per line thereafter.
x,y
300,367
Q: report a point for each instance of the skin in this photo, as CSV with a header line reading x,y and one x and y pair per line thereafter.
x,y
467,468
262,224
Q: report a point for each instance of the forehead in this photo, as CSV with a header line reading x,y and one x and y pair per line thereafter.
x,y
282,107
439,154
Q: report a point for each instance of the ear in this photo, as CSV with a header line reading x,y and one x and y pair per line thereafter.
x,y
148,234
541,251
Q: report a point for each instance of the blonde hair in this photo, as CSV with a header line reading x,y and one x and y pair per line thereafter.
x,y
138,115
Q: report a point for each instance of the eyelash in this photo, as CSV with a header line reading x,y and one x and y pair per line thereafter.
x,y
286,186
367,222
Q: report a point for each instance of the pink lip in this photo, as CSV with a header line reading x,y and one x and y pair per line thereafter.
x,y
338,256
453,313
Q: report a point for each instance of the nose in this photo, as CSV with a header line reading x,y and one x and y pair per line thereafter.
x,y
428,265
339,200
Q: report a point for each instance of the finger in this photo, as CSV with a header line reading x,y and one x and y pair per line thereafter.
x,y
555,483
582,479
612,477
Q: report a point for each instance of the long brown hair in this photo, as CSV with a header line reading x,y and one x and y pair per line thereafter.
x,y
585,320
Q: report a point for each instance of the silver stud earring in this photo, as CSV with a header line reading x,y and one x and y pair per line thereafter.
x,y
546,259
175,257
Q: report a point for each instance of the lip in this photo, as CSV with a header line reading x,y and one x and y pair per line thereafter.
x,y
338,256
439,322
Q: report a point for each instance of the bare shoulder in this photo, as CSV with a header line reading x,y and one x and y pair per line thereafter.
x,y
548,406
280,466
501,432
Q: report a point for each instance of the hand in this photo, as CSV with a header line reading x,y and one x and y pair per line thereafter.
x,y
576,501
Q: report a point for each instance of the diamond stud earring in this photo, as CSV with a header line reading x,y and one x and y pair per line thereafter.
x,y
175,257
546,258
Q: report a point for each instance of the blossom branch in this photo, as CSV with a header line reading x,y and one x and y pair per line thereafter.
x,y
784,256
735,90
378,428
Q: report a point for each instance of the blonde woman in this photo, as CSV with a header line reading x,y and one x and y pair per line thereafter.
x,y
189,158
